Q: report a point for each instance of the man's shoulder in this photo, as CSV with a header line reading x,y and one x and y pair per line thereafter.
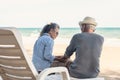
x,y
98,35
76,35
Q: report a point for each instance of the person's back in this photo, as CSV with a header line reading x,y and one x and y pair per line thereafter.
x,y
40,56
87,47
43,48
88,50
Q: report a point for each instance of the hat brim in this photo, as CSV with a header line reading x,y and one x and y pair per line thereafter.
x,y
84,22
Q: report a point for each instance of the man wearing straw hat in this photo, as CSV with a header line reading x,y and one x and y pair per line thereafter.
x,y
87,47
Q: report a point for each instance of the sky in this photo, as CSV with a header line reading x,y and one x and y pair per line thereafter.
x,y
66,13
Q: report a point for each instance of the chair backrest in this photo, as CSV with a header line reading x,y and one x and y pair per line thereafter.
x,y
14,62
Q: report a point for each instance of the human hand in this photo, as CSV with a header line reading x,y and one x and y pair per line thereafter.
x,y
61,58
58,57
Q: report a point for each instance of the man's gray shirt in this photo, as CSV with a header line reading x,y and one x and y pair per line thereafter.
x,y
87,48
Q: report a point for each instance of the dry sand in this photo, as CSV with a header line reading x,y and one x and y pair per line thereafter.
x,y
109,61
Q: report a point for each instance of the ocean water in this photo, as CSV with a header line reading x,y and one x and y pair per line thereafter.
x,y
110,33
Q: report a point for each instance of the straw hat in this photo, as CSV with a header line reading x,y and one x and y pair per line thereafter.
x,y
88,20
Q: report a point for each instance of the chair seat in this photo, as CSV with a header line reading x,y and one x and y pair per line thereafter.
x,y
98,78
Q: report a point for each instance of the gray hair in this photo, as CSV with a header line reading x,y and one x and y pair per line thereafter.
x,y
86,27
92,26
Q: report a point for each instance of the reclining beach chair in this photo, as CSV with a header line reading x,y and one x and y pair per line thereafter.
x,y
16,65
14,62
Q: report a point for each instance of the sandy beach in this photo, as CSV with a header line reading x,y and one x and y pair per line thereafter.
x,y
109,61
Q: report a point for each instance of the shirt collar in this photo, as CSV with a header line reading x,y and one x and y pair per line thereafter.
x,y
46,34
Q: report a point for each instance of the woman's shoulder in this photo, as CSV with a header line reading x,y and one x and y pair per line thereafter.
x,y
45,37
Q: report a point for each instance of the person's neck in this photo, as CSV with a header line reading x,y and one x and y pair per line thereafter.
x,y
89,31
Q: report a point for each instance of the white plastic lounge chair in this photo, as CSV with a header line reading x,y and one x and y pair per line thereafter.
x,y
14,62
16,65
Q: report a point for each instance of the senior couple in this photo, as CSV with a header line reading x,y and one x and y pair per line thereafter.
x,y
87,46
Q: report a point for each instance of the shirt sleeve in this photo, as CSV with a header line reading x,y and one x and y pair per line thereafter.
x,y
72,47
48,51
